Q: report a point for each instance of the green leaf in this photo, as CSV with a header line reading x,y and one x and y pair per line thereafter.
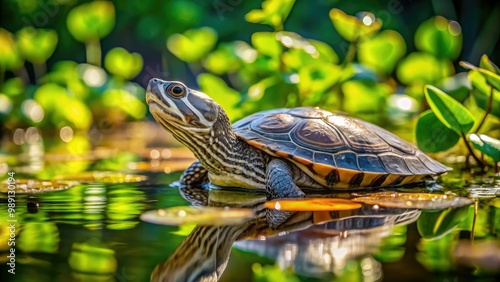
x,y
486,64
440,37
492,78
351,28
435,224
9,55
224,59
482,92
267,44
193,45
450,112
432,135
216,88
317,78
120,62
382,51
36,45
125,101
486,144
91,21
423,68
273,13
365,97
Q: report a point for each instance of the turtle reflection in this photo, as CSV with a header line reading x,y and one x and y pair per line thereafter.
x,y
313,244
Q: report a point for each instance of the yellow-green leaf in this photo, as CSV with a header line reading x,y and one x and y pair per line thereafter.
x,y
382,51
120,62
192,45
91,21
450,112
351,28
440,37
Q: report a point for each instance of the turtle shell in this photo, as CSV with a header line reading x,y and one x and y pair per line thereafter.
x,y
337,150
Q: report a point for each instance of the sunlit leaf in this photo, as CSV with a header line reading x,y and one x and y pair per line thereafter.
x,y
91,21
423,201
365,97
13,87
351,28
273,13
223,59
216,88
492,78
486,144
482,92
436,224
36,45
440,37
423,68
120,62
450,112
316,78
102,177
266,43
432,135
9,55
198,215
486,64
39,237
32,186
268,273
192,45
121,99
312,204
382,51
435,255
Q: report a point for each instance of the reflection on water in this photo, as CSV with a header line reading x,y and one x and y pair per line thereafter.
x,y
92,231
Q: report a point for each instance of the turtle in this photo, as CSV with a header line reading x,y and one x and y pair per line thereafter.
x,y
284,151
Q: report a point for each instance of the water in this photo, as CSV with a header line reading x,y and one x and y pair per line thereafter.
x,y
92,232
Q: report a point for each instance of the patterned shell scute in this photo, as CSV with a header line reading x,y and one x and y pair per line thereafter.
x,y
315,136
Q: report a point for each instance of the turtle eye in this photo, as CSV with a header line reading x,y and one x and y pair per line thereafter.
x,y
176,90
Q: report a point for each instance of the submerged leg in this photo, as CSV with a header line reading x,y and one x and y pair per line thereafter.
x,y
279,181
279,184
195,175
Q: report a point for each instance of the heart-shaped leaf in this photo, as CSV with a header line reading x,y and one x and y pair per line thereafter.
x,y
9,55
193,45
450,112
440,37
351,28
273,13
36,45
486,144
432,135
382,51
121,63
91,21
266,43
423,68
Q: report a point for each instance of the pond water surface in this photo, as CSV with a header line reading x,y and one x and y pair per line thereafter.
x,y
93,232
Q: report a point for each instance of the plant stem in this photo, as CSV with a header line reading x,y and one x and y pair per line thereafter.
x,y
39,70
476,204
479,162
93,48
487,111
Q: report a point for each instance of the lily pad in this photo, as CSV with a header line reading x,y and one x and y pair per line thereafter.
x,y
198,215
312,204
103,177
423,201
31,186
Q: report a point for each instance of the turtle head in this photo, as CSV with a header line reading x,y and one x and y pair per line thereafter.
x,y
177,107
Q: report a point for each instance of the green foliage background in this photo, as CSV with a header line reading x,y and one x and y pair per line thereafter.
x,y
79,63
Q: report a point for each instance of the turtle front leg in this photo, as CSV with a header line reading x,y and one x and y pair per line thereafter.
x,y
279,184
279,181
195,175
